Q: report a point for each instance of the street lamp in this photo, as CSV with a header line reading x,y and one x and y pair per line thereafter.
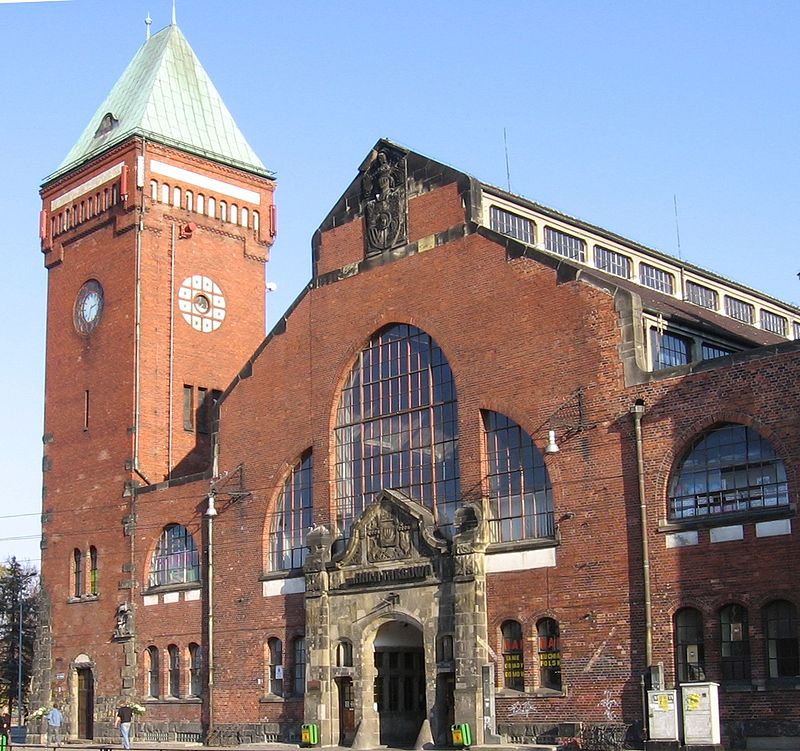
x,y
19,665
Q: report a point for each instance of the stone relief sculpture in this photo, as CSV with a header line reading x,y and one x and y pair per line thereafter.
x,y
383,190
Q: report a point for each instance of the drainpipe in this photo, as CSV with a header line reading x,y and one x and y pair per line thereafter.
x,y
210,513
637,412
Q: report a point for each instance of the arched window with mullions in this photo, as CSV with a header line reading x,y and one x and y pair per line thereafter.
x,y
195,669
549,636
689,645
513,656
520,495
275,649
783,647
176,560
728,468
397,427
292,518
153,673
734,643
174,670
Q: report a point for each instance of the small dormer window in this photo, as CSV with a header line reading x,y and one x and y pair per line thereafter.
x,y
107,124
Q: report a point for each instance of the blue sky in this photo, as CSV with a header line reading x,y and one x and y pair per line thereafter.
x,y
609,109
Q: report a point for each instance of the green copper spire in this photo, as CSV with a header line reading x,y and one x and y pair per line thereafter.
x,y
165,95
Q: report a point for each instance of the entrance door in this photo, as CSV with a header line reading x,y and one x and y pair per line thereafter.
x,y
347,715
444,716
400,694
85,703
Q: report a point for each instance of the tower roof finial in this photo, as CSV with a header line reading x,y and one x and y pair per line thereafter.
x,y
148,22
174,14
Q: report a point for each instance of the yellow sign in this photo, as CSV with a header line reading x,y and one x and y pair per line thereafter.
x,y
692,701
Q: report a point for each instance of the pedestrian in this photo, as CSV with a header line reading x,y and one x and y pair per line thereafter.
x,y
5,729
123,722
54,720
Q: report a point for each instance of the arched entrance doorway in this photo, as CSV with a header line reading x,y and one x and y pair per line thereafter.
x,y
399,682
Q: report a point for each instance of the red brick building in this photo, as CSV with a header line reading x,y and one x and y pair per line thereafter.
x,y
495,466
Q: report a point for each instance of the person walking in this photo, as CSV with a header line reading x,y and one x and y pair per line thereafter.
x,y
123,722
54,720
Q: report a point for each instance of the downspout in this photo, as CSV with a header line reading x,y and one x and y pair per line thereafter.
x,y
637,412
170,387
210,513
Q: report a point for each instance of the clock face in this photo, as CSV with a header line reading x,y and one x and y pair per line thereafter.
x,y
202,304
88,307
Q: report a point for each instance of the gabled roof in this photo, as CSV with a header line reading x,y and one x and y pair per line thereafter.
x,y
165,95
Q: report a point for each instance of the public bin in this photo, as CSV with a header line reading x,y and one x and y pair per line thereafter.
x,y
309,735
461,734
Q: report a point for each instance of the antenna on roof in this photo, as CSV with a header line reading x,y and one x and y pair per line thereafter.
x,y
677,226
508,171
174,15
148,22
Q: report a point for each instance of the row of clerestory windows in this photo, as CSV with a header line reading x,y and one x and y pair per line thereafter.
x,y
174,195
173,672
778,645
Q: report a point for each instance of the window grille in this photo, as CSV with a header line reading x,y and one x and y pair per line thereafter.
x,y
511,224
612,262
564,244
705,297
657,279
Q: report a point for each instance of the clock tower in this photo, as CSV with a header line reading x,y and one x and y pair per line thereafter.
x,y
155,231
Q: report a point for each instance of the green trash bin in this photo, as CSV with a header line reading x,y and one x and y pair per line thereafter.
x,y
309,734
461,734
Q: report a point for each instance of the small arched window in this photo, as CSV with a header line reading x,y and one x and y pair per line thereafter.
x,y
223,211
245,217
520,494
189,200
689,645
153,673
164,193
154,190
201,205
549,637
734,643
292,519
176,196
275,649
780,625
212,207
77,573
256,221
195,669
513,656
234,214
175,560
728,468
344,654
93,570
174,670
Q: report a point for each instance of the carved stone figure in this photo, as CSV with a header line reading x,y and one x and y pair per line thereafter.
x,y
383,189
123,627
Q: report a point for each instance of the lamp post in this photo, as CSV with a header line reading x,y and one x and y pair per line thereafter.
x,y
19,663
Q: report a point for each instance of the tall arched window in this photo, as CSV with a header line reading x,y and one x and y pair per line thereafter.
x,y
223,211
234,213
77,572
520,495
734,643
176,197
93,570
201,205
275,648
344,654
154,190
164,193
153,673
195,669
292,519
513,656
256,221
245,217
397,427
174,670
299,650
176,560
689,645
780,625
212,207
728,468
549,654
189,200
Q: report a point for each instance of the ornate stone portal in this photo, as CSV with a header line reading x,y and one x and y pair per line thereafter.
x,y
396,628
